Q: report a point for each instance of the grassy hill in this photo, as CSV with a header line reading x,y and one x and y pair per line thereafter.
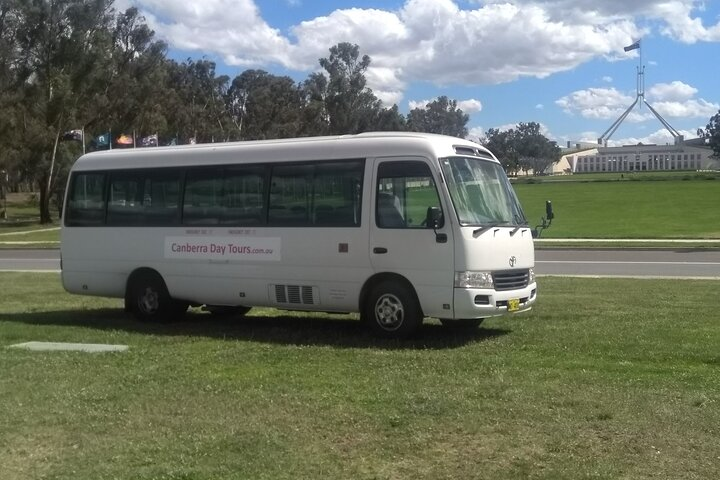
x,y
643,206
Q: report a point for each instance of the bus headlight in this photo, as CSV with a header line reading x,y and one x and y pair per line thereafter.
x,y
474,280
531,276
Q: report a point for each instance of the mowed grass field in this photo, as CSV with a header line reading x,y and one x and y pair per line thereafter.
x,y
669,209
604,379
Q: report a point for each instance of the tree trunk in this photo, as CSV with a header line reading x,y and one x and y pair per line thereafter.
x,y
46,185
44,202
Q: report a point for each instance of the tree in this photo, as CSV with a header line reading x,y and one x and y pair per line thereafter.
x,y
712,132
535,151
350,107
196,102
439,116
501,144
264,106
522,148
57,40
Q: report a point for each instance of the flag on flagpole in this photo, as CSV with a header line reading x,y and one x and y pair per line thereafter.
x,y
633,46
102,141
73,135
149,141
125,141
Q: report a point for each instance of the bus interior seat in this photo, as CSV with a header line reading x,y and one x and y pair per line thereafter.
x,y
388,214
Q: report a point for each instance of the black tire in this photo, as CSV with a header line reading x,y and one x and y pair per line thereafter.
x,y
150,301
462,324
392,311
227,311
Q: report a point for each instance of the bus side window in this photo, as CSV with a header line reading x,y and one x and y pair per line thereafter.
x,y
203,197
405,191
86,202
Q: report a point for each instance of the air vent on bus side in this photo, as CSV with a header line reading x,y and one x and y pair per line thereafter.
x,y
294,294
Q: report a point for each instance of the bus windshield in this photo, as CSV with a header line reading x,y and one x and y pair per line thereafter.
x,y
481,193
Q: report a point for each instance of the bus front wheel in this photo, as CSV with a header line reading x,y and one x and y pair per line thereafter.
x,y
392,311
150,301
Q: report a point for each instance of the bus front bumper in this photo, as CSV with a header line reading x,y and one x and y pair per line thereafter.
x,y
483,303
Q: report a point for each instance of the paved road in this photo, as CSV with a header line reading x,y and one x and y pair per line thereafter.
x,y
29,260
681,263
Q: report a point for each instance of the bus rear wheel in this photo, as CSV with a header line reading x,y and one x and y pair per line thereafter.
x,y
150,301
392,311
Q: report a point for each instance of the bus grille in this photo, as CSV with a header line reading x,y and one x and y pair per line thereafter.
x,y
511,279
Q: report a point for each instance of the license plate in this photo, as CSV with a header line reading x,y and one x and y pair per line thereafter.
x,y
513,305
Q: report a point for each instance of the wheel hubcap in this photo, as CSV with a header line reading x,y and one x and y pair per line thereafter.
x,y
389,312
149,301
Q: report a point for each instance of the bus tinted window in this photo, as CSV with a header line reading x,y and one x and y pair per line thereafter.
x,y
319,194
224,196
86,202
405,191
144,198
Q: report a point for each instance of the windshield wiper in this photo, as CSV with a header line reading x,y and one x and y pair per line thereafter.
x,y
519,224
478,231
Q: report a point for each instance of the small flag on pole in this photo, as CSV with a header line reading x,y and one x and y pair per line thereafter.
x,y
633,46
149,141
73,135
124,141
102,141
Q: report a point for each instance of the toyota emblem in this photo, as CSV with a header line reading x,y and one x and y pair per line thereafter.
x,y
512,261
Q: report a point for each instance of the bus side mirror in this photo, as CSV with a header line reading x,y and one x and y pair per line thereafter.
x,y
434,218
546,221
549,210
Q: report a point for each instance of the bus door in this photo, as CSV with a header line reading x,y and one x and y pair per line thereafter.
x,y
402,242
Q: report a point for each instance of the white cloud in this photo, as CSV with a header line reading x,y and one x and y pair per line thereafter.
x,y
658,137
599,103
431,40
467,106
675,91
687,109
539,106
677,17
476,133
607,79
668,99
441,42
470,106
231,29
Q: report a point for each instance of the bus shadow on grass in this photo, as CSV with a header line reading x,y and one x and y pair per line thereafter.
x,y
338,331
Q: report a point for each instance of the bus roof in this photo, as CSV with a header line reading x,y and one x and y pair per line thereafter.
x,y
363,145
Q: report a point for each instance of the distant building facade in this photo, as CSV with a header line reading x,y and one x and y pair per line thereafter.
x,y
688,155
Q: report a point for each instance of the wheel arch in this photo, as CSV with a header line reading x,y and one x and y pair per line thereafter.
x,y
138,273
378,278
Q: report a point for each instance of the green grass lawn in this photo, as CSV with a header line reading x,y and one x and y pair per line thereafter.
x,y
604,379
626,209
21,228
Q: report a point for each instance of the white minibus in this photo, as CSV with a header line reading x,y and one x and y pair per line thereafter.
x,y
395,226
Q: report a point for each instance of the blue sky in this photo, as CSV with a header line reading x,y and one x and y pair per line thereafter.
x,y
556,62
